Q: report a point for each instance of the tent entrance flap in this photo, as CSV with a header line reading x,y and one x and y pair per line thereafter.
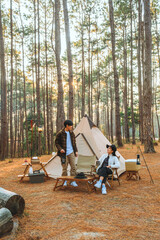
x,y
84,163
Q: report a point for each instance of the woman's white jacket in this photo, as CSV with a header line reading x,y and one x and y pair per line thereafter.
x,y
113,161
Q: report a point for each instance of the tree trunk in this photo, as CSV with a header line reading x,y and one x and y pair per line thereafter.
x,y
47,96
6,221
91,86
111,113
51,117
89,72
148,138
60,105
107,111
132,108
3,96
35,61
11,84
24,84
44,115
139,73
15,135
69,56
157,36
14,202
98,88
38,83
83,73
158,123
126,125
116,79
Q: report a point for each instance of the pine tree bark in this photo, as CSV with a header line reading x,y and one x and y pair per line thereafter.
x,y
69,56
24,83
15,135
60,105
89,63
36,75
3,95
132,107
148,138
111,112
126,125
140,93
44,115
47,97
11,83
157,36
83,71
98,87
116,78
38,82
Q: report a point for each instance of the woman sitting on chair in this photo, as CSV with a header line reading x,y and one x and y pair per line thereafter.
x,y
106,163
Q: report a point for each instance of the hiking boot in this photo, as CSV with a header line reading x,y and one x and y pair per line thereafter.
x,y
65,184
74,184
104,191
98,184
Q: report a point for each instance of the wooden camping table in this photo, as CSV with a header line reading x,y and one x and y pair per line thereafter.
x,y
69,179
131,174
25,173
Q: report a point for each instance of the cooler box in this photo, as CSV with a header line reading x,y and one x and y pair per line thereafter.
x,y
36,177
131,165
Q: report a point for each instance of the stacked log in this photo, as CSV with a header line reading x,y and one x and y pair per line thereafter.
x,y
14,202
6,221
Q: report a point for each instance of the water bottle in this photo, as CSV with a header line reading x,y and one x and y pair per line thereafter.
x,y
30,170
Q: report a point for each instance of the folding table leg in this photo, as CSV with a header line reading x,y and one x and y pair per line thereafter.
x,y
56,184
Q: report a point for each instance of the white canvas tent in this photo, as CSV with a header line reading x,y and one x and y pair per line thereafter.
x,y
91,144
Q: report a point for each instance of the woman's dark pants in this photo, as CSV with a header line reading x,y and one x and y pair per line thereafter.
x,y
104,172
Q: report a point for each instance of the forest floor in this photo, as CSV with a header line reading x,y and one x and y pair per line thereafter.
x,y
128,211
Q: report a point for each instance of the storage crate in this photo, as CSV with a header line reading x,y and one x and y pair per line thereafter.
x,y
36,177
35,160
131,165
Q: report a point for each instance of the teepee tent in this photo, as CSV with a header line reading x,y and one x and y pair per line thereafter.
x,y
91,144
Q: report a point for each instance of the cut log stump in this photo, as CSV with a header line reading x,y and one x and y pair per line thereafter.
x,y
14,202
6,221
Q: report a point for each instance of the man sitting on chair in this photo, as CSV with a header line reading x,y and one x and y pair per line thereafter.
x,y
106,163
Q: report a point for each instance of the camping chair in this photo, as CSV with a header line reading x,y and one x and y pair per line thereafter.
x,y
112,177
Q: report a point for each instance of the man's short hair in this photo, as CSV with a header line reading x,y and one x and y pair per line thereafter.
x,y
68,122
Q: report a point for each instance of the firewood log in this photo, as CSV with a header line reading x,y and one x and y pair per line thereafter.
x,y
14,202
6,221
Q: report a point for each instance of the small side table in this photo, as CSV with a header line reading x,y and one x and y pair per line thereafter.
x,y
133,175
27,165
132,169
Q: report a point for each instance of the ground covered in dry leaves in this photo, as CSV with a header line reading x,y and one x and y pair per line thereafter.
x,y
129,211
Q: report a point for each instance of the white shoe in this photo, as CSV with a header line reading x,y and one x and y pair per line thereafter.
x,y
74,184
104,191
98,184
65,184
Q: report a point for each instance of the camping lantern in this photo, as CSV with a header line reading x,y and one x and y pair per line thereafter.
x,y
138,159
